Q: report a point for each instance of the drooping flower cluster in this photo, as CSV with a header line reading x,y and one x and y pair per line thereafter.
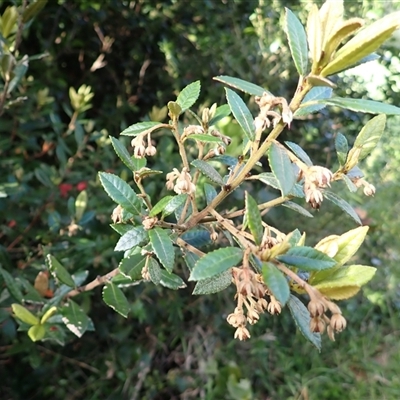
x,y
318,307
315,178
140,149
251,292
183,182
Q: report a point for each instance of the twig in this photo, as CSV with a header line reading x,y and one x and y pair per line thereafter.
x,y
100,280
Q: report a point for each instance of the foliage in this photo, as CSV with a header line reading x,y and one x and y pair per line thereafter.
x,y
50,182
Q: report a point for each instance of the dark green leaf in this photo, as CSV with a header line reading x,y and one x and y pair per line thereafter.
x,y
162,247
269,179
154,270
215,262
139,163
190,258
297,41
132,238
205,138
74,318
220,113
122,153
208,170
302,319
307,258
253,218
12,285
197,237
59,272
297,208
215,284
140,127
299,152
114,297
343,204
131,267
276,282
316,93
174,203
365,106
32,10
282,168
188,96
341,147
159,207
120,192
242,85
171,281
121,228
241,113
210,193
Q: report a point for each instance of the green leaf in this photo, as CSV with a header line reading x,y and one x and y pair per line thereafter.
x,y
241,113
363,43
197,237
282,168
188,96
48,314
120,192
253,218
36,332
205,138
80,204
139,163
308,104
299,152
114,297
171,281
131,267
162,246
12,285
240,84
209,171
297,41
174,203
174,109
132,238
122,153
220,113
74,318
154,270
121,228
295,207
215,262
190,258
343,204
369,136
307,258
269,179
210,193
159,207
302,319
59,272
365,106
276,282
215,284
342,148
141,127
24,314
32,10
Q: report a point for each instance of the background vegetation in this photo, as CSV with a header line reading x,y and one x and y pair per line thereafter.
x,y
135,55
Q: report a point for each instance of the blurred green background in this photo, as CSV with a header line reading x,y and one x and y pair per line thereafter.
x,y
136,56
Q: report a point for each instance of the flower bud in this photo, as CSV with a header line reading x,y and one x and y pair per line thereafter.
x,y
316,308
242,333
317,325
338,322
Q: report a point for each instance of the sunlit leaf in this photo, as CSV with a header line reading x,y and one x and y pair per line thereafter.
x,y
59,272
122,153
297,41
134,237
131,267
171,281
162,247
74,318
343,204
154,270
24,314
341,147
141,127
241,113
240,84
208,170
188,96
120,192
36,332
299,152
114,297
